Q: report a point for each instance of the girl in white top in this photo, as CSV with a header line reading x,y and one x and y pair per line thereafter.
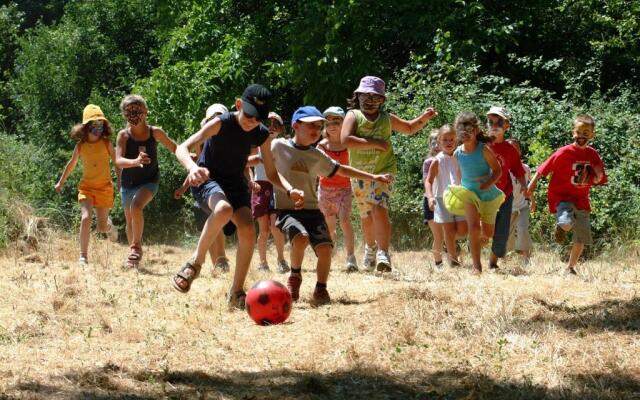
x,y
519,237
442,173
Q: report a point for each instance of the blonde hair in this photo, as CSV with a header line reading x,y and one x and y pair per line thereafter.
x,y
133,99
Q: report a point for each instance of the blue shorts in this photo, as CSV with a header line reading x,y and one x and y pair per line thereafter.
x,y
128,194
236,194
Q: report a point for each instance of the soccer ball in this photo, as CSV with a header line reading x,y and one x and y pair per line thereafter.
x,y
268,302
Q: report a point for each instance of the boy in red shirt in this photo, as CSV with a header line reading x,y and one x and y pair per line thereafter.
x,y
498,122
574,169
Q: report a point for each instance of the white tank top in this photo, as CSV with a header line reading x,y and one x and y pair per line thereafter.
x,y
259,173
446,174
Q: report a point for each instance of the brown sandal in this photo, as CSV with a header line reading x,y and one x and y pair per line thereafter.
x,y
135,255
188,274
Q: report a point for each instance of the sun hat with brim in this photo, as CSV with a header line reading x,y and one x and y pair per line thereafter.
x,y
307,114
371,84
256,101
276,117
92,113
215,108
500,112
335,111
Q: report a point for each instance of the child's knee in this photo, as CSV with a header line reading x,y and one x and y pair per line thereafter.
x,y
324,250
300,241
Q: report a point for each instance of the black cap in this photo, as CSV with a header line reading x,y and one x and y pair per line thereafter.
x,y
256,101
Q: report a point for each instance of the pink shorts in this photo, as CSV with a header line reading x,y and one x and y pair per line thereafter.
x,y
335,201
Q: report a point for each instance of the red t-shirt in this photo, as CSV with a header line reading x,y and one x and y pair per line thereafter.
x,y
336,181
510,162
566,165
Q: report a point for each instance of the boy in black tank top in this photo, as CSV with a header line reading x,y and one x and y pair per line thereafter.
x,y
136,154
218,183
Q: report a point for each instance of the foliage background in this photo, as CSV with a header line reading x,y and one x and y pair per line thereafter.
x,y
546,60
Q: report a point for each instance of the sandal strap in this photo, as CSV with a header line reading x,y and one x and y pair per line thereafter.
x,y
189,266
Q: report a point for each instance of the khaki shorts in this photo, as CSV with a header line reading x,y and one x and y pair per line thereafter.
x,y
568,214
369,194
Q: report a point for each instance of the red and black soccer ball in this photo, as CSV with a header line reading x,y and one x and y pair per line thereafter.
x,y
268,302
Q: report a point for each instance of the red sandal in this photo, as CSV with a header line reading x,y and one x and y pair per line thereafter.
x,y
135,255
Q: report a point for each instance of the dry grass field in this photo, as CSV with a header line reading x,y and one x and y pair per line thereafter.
x,y
109,333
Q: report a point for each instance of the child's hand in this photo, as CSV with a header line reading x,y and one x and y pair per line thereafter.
x,y
432,203
532,204
430,113
143,158
485,185
598,175
255,186
198,175
179,192
297,196
384,178
58,187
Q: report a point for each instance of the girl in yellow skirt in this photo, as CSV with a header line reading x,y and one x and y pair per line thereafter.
x,y
96,188
477,198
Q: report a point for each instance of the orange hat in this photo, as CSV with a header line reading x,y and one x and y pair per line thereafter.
x,y
92,113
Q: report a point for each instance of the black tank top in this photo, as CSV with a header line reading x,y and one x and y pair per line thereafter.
x,y
149,173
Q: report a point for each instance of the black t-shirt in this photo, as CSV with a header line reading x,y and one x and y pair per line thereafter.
x,y
225,154
149,173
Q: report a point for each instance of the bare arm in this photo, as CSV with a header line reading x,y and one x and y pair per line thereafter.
x,y
411,127
68,169
533,184
353,142
428,183
345,170
496,169
121,148
112,154
197,175
165,140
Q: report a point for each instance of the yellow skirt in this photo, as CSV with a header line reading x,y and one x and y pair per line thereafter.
x,y
455,197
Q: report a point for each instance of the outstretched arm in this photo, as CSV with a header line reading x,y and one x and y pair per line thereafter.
x,y
68,169
197,175
413,126
346,170
276,179
165,140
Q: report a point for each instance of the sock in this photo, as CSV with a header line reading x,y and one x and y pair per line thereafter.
x,y
321,285
296,270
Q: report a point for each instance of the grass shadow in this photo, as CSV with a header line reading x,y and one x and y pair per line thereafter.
x,y
608,315
113,382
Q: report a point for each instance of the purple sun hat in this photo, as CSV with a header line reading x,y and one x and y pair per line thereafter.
x,y
371,84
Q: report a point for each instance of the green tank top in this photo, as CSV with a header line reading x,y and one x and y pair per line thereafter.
x,y
372,160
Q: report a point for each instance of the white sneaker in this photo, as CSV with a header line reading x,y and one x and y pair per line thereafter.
x,y
112,234
83,261
369,259
352,264
383,261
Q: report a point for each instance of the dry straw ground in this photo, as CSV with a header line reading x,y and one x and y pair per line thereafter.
x,y
105,332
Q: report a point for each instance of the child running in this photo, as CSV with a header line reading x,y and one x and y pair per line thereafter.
x,y
442,173
574,169
216,251
366,132
262,205
498,122
334,193
136,154
301,163
220,186
477,198
95,190
519,237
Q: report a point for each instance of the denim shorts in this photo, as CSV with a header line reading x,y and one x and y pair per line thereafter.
x,y
568,214
128,194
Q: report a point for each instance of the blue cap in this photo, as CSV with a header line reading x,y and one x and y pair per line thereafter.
x,y
307,114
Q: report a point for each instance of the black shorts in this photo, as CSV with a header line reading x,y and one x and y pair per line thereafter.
x,y
311,223
427,213
237,194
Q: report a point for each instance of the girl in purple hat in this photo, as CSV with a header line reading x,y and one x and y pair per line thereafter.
x,y
366,131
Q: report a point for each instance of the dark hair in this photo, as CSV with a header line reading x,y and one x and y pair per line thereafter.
x,y
353,103
79,132
132,99
469,118
585,119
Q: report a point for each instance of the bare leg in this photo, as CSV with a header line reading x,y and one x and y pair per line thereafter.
x,y
263,237
347,233
473,221
576,252
86,214
368,230
323,252
278,238
450,240
298,245
221,214
102,220
246,243
382,227
437,232
331,224
140,201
